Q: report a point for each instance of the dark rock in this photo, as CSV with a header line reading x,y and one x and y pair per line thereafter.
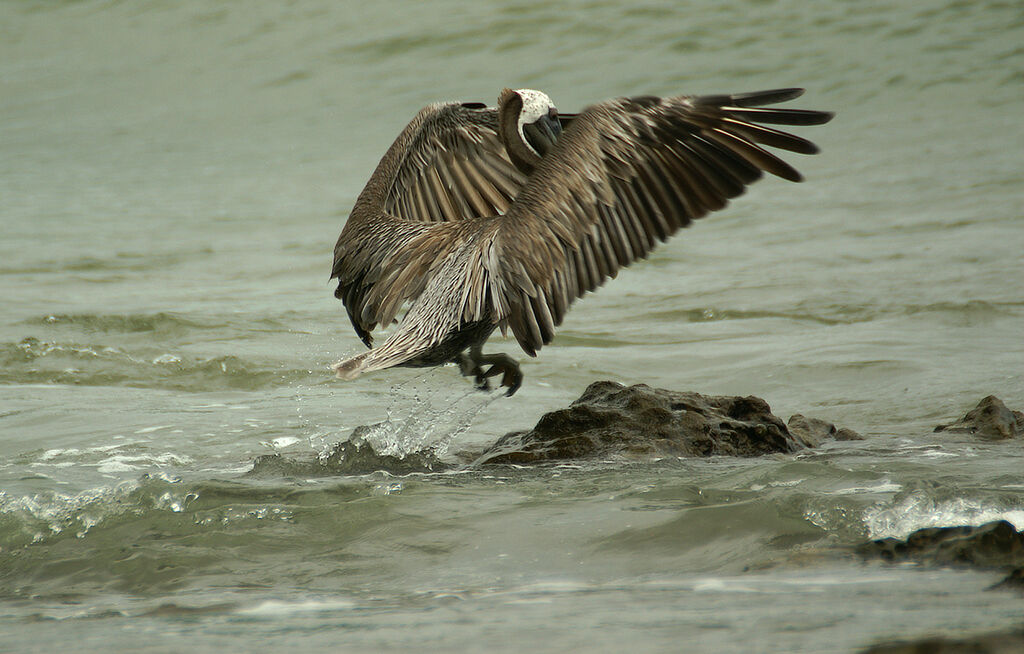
x,y
811,432
1013,581
358,457
993,545
844,434
611,419
353,457
1000,643
990,419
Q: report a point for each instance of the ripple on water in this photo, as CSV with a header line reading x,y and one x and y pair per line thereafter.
x,y
34,361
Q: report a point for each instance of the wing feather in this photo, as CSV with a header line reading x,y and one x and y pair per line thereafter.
x,y
448,164
624,175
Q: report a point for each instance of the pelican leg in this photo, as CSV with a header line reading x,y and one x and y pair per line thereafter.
x,y
507,367
469,366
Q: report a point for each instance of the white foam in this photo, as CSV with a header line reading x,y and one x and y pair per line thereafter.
x,y
884,486
283,441
919,511
278,608
126,463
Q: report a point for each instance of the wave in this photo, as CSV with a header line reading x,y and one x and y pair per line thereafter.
x,y
163,323
36,361
919,510
848,314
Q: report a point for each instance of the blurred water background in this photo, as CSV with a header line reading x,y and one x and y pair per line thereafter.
x,y
173,176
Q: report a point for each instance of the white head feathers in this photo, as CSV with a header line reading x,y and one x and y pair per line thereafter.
x,y
535,105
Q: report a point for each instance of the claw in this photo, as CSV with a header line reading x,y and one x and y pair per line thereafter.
x,y
501,364
512,378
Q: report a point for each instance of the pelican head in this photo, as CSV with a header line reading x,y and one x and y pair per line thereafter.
x,y
538,121
529,126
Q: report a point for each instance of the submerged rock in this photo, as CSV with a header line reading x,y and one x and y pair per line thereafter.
x,y
608,419
355,456
346,458
813,431
1013,581
999,643
990,419
612,419
992,545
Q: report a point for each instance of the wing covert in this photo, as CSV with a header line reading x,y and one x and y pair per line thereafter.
x,y
448,164
453,167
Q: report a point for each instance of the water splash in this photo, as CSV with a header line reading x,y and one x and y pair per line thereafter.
x,y
919,510
34,518
423,417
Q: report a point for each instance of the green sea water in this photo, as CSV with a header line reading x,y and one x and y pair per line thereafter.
x,y
173,176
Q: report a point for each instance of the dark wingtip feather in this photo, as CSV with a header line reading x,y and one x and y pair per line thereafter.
x,y
780,116
786,172
752,99
772,137
772,96
825,116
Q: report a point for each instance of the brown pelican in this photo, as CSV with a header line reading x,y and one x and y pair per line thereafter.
x,y
480,218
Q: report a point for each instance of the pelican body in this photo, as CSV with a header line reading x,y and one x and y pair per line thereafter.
x,y
480,218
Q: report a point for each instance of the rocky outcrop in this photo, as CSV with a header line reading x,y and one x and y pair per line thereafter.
x,y
1001,643
612,419
1013,581
812,432
607,420
990,420
355,456
993,545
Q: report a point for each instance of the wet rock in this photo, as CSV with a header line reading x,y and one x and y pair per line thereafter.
x,y
993,545
1013,581
612,419
990,419
1000,643
812,432
353,457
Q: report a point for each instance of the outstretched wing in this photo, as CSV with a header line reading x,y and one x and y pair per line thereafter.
x,y
453,166
448,164
627,174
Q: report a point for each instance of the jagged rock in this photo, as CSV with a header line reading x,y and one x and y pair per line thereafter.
x,y
811,432
358,457
355,456
1000,643
993,545
1013,581
990,419
611,419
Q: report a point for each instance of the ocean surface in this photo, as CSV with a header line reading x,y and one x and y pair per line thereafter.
x,y
173,176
